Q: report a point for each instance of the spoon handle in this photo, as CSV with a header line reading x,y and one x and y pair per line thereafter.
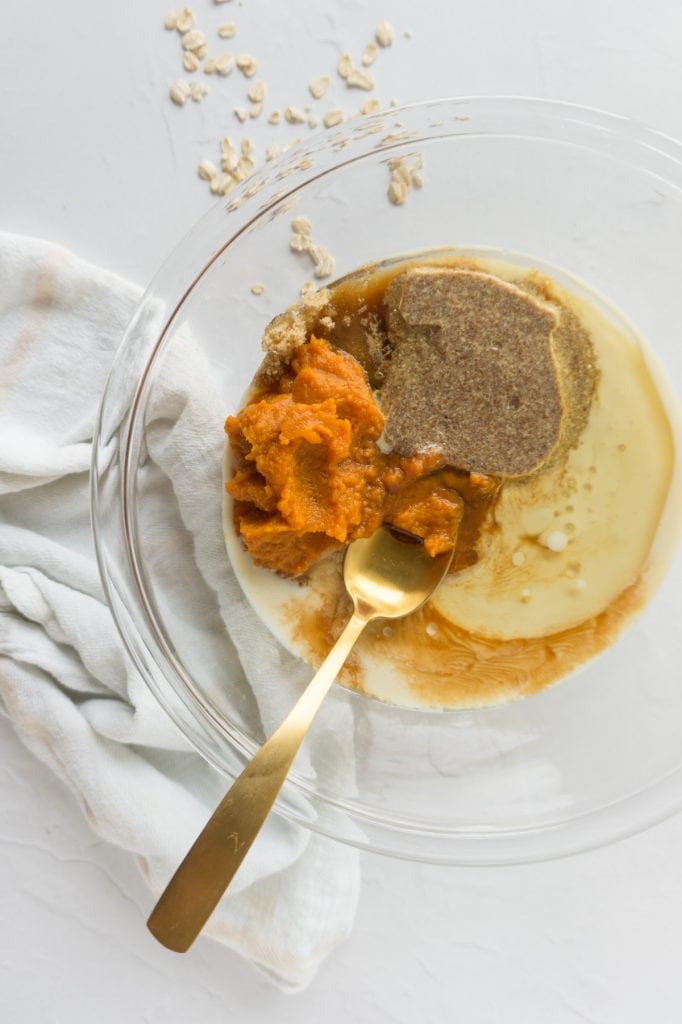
x,y
210,865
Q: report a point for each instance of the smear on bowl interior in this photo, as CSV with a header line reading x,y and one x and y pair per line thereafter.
x,y
476,403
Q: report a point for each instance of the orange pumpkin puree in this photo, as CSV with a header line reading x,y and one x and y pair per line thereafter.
x,y
310,476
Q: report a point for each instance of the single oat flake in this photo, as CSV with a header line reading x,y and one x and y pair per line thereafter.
x,y
228,30
334,117
193,40
207,170
370,106
185,20
247,64
179,91
345,65
257,289
319,86
384,34
358,78
221,184
198,90
294,116
369,54
224,63
256,91
228,156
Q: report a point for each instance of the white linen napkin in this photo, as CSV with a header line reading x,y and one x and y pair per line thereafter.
x,y
66,681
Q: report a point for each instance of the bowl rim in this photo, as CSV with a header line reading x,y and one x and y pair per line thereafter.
x,y
469,846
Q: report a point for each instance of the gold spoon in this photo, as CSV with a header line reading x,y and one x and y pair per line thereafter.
x,y
388,575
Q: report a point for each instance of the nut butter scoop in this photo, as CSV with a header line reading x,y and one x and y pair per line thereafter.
x,y
472,372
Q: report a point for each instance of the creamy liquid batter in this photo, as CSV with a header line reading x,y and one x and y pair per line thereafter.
x,y
572,554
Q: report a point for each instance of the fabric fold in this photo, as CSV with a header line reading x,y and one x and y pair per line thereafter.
x,y
66,682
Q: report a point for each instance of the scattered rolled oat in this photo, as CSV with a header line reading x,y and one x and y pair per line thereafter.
x,y
357,78
248,147
301,241
193,40
384,34
369,54
185,20
179,91
334,117
319,86
247,64
221,184
236,168
345,65
198,90
224,63
257,289
256,91
245,167
404,176
370,106
294,116
207,170
228,157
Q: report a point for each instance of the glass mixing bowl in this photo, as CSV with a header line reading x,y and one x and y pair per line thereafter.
x,y
596,756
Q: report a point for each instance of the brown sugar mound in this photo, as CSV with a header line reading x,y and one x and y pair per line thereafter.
x,y
472,371
310,476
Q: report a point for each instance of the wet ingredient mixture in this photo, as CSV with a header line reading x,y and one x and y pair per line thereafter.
x,y
475,403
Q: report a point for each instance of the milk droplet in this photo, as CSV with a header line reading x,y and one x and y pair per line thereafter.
x,y
555,540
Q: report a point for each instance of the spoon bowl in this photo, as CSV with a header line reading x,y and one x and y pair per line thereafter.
x,y
389,574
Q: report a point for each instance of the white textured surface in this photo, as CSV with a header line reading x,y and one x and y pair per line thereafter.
x,y
96,157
